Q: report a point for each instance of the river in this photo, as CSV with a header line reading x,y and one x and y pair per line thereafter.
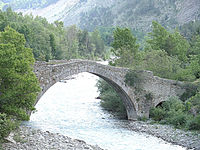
x,y
71,109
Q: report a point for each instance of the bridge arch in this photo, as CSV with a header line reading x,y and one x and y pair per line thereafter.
x,y
136,104
50,73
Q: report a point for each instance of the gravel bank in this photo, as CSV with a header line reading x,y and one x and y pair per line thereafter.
x,y
168,133
30,139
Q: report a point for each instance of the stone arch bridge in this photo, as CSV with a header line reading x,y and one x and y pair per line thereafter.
x,y
154,89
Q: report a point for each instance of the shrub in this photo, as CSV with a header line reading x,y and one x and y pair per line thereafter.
x,y
195,102
177,118
194,123
174,103
157,114
190,90
149,96
143,118
6,125
132,78
110,100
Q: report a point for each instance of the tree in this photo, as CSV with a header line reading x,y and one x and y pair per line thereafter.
x,y
18,84
72,42
55,52
98,42
158,36
124,46
160,63
173,43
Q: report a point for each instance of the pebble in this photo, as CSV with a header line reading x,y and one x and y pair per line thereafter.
x,y
30,139
188,139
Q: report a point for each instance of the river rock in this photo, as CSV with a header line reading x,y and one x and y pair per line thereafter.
x,y
188,139
26,138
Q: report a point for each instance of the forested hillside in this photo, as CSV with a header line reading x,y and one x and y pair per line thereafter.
x,y
54,41
136,14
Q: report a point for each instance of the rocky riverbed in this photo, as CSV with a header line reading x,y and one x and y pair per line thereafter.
x,y
26,138
190,140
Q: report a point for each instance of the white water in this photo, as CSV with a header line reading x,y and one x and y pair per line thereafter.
x,y
71,109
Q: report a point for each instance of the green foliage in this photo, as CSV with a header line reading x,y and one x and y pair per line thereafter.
x,y
173,43
124,40
134,79
6,125
98,42
190,29
190,90
96,17
106,34
149,96
177,113
168,55
124,46
195,104
110,100
157,114
177,118
165,54
173,104
159,63
143,118
194,123
19,85
53,41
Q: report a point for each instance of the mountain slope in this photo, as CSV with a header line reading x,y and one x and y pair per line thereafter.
x,y
136,14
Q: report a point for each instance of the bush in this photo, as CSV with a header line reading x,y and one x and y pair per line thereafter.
x,y
132,78
194,123
6,125
143,118
174,103
110,100
190,90
176,113
157,114
195,103
177,118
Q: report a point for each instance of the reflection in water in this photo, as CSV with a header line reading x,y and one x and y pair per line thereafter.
x,y
71,109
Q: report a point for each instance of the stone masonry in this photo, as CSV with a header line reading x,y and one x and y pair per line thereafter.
x,y
137,103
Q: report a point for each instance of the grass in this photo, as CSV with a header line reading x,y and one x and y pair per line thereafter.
x,y
18,138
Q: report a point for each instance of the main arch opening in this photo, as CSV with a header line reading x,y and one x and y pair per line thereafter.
x,y
49,74
70,103
121,94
